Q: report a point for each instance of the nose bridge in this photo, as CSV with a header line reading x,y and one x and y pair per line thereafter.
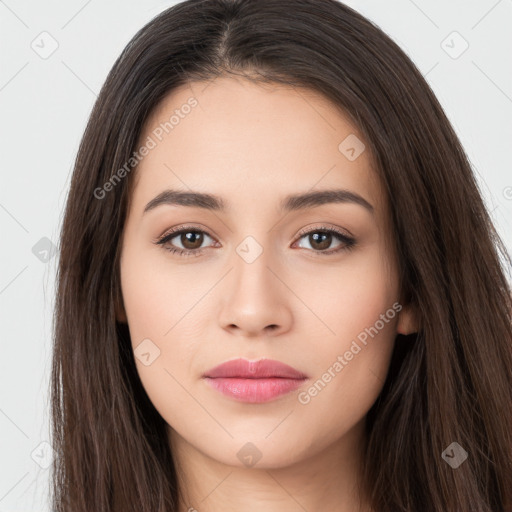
x,y
254,297
252,259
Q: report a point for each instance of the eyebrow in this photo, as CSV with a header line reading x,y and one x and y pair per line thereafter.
x,y
292,202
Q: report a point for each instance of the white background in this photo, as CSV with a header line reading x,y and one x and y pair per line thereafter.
x,y
44,107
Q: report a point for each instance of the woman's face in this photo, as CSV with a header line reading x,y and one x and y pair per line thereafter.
x,y
265,277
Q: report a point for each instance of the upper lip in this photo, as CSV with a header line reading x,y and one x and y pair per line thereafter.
x,y
262,368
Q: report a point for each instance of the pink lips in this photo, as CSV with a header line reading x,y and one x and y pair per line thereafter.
x,y
254,381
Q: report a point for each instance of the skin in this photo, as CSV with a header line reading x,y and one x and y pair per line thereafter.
x,y
252,145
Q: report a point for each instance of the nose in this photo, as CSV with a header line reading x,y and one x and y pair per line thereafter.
x,y
255,298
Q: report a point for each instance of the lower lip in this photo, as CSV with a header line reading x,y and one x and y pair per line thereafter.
x,y
254,390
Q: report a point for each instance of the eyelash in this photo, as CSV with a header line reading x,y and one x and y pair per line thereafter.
x,y
349,242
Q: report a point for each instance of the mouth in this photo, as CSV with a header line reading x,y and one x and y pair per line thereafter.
x,y
254,381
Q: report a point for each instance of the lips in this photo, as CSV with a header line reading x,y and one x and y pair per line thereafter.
x,y
254,381
263,368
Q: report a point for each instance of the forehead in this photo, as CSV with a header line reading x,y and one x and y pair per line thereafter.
x,y
244,140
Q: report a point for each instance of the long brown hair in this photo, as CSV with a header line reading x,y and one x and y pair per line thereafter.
x,y
452,381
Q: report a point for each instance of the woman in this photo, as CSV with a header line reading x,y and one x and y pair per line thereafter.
x,y
279,287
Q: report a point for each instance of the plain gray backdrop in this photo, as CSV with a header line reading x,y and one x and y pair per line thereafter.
x,y
54,58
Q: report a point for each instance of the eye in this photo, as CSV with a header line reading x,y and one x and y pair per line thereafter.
x,y
190,239
320,239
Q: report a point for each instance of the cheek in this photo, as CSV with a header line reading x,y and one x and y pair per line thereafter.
x,y
359,304
159,296
348,297
159,307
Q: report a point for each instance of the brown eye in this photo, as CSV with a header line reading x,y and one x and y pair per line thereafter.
x,y
320,240
186,241
191,239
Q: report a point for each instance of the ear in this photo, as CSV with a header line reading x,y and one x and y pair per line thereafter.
x,y
408,321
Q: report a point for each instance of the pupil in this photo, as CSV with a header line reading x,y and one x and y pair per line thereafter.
x,y
323,244
188,238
